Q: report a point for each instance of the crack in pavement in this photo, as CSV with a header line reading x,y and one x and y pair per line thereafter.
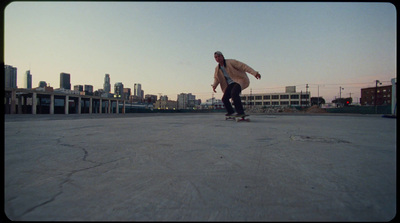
x,y
61,185
68,176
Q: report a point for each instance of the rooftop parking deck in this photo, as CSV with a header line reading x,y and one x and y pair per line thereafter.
x,y
200,167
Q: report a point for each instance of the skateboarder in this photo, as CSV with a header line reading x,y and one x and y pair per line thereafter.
x,y
231,75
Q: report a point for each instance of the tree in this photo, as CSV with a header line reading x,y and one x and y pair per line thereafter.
x,y
317,101
343,101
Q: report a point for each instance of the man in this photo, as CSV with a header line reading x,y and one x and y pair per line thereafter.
x,y
231,75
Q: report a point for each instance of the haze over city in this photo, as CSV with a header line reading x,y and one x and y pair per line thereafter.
x,y
168,46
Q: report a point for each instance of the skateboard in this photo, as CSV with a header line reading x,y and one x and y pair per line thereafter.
x,y
239,118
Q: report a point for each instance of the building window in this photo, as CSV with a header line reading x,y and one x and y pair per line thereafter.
x,y
304,96
284,96
284,103
275,96
258,97
267,97
294,96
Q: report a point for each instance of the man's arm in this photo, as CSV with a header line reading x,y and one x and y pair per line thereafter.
x,y
216,81
244,67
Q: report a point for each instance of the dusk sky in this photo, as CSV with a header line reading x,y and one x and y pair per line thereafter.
x,y
168,47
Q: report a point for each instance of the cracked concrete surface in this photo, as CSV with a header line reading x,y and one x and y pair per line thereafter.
x,y
199,167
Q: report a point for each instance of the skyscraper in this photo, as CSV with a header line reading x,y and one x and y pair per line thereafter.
x,y
107,85
138,90
119,89
28,79
10,79
65,81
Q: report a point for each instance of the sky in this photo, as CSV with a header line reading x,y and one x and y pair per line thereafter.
x,y
168,47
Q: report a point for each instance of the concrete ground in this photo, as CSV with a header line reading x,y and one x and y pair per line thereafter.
x,y
199,167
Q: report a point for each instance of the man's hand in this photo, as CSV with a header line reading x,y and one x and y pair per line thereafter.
x,y
213,87
258,76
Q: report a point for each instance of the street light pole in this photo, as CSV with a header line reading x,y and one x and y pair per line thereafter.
x,y
318,97
340,96
340,91
376,95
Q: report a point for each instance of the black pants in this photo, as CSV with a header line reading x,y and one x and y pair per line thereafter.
x,y
232,91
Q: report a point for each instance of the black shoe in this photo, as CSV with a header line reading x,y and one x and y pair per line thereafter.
x,y
228,114
240,115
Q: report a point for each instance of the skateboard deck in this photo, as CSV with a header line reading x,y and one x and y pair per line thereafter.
x,y
239,118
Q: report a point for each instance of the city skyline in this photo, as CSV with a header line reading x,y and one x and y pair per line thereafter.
x,y
27,81
65,84
168,47
107,79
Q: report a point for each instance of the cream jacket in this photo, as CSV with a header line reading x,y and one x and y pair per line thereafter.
x,y
237,71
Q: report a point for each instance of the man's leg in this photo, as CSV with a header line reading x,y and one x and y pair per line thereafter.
x,y
225,99
236,98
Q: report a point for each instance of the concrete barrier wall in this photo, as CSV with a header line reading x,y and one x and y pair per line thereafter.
x,y
382,109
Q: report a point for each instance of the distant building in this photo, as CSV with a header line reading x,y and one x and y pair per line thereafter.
x,y
290,89
150,99
186,101
289,98
88,89
394,96
10,76
66,91
127,93
78,87
42,84
107,84
137,91
165,104
28,80
65,81
212,103
118,90
383,95
134,99
99,92
107,95
45,88
163,97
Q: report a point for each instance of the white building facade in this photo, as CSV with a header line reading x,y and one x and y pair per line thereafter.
x,y
289,98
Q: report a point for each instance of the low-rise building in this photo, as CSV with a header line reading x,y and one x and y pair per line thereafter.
x,y
187,101
212,103
288,98
165,104
383,95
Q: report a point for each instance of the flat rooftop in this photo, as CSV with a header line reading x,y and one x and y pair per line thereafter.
x,y
199,167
